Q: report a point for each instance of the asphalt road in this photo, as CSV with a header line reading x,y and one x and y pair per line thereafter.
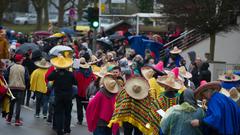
x,y
39,126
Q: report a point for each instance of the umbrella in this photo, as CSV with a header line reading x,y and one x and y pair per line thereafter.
x,y
105,43
59,35
116,37
68,31
23,49
42,33
56,50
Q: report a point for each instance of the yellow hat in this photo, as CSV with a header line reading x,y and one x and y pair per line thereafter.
x,y
61,62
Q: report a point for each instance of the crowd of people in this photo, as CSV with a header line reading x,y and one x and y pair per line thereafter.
x,y
119,90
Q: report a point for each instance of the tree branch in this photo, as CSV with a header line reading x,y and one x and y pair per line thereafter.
x,y
54,4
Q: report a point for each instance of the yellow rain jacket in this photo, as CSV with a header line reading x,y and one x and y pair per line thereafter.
x,y
37,81
155,88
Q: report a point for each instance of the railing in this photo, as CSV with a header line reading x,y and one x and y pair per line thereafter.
x,y
186,40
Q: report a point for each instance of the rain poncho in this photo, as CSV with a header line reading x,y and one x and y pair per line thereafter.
x,y
177,120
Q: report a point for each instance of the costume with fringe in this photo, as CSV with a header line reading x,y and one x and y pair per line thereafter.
x,y
163,102
132,111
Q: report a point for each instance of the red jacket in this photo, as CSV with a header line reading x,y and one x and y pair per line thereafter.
x,y
83,82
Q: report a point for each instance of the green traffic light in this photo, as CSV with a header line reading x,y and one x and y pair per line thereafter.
x,y
95,24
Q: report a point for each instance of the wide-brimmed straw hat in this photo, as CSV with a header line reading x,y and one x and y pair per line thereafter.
x,y
137,88
176,73
159,68
147,72
100,73
110,84
176,50
83,63
184,73
206,86
171,81
61,62
229,77
94,60
43,63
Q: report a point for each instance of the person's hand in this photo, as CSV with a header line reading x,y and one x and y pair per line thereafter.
x,y
195,123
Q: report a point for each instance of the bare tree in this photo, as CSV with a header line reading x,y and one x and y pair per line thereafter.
x,y
3,6
81,5
39,6
61,7
46,17
208,16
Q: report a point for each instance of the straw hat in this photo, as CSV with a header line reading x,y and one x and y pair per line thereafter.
x,y
229,77
171,81
176,73
159,68
83,63
42,63
61,62
184,73
94,60
147,72
137,88
175,50
206,86
110,84
100,73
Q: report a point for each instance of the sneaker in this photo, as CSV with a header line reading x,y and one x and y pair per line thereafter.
x,y
37,116
44,116
8,120
18,123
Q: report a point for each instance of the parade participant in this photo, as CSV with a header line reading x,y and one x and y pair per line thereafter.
x,y
223,114
205,73
137,63
125,68
4,53
29,64
167,99
176,120
17,76
95,85
155,89
62,85
132,107
95,64
175,55
4,98
229,80
187,76
100,109
84,77
39,86
195,71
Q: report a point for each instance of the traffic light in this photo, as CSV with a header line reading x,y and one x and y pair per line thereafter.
x,y
94,17
91,14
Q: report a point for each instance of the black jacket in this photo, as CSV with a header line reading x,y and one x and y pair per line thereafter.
x,y
205,74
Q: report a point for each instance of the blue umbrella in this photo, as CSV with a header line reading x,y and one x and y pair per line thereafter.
x,y
136,43
68,31
154,47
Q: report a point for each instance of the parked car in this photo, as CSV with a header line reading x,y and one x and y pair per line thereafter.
x,y
27,19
